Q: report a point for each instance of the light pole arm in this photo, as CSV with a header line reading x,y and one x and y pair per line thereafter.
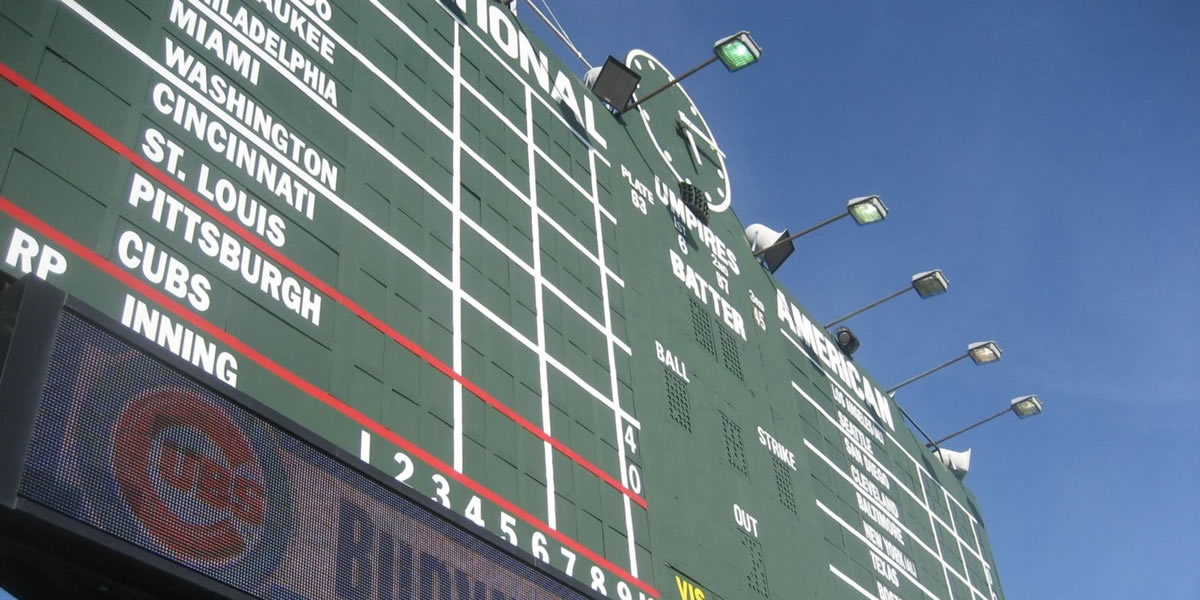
x,y
869,306
668,84
969,427
805,232
914,424
929,372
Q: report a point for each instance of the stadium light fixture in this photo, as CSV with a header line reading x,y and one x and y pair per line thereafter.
x,y
867,209
930,283
981,353
984,352
864,210
613,82
1026,406
736,52
926,284
1022,406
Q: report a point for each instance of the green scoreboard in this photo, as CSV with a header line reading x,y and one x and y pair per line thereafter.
x,y
408,228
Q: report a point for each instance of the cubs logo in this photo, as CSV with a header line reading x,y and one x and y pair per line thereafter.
x,y
190,477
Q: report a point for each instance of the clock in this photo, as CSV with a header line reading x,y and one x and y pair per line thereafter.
x,y
680,134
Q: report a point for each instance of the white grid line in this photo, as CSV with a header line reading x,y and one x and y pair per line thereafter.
x,y
936,541
963,555
456,255
622,460
539,286
987,568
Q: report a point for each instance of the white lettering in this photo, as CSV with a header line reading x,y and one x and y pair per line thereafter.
x,y
230,252
162,269
818,341
778,449
179,340
24,247
702,290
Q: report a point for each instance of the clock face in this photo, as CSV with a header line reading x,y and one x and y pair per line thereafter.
x,y
680,133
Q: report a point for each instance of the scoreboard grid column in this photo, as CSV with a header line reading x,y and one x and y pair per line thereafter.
x,y
539,312
937,541
962,555
987,568
612,373
456,251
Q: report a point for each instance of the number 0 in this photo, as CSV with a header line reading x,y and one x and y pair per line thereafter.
x,y
635,479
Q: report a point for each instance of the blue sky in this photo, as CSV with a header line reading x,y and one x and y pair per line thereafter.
x,y
1044,155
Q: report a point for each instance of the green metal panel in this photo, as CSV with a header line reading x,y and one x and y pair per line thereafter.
x,y
410,227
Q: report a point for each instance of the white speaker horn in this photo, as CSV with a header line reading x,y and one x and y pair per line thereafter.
x,y
957,462
760,237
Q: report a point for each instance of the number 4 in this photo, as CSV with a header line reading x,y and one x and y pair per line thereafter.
x,y
629,439
474,511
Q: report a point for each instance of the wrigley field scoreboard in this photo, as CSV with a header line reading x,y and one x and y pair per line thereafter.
x,y
375,299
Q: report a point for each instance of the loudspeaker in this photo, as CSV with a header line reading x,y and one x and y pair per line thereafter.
x,y
761,237
957,462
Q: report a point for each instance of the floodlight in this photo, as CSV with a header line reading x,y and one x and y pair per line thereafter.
x,y
930,283
1026,406
867,210
980,352
613,82
1022,406
984,352
737,51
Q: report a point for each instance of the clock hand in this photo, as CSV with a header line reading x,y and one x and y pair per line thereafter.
x,y
695,152
683,120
